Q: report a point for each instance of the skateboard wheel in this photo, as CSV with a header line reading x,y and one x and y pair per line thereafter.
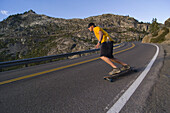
x,y
135,70
111,80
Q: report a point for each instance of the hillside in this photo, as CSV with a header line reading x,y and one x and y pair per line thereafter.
x,y
162,35
30,35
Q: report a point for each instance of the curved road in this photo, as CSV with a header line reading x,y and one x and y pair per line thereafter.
x,y
71,86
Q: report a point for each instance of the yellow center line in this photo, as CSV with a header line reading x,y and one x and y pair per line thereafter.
x,y
59,68
133,45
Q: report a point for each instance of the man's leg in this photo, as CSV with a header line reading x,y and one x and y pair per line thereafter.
x,y
106,54
107,60
115,69
118,61
124,65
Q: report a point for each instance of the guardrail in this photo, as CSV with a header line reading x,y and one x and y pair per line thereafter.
x,y
44,58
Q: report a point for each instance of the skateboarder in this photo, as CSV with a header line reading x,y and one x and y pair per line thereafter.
x,y
106,50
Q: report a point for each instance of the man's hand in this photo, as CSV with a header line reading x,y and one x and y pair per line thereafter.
x,y
97,46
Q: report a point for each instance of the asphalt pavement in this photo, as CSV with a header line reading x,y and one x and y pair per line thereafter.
x,y
71,86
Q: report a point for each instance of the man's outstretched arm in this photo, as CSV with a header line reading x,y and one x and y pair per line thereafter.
x,y
100,39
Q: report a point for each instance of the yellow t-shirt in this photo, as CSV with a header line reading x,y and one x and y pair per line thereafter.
x,y
105,38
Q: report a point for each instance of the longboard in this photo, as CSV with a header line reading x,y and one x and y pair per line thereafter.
x,y
111,77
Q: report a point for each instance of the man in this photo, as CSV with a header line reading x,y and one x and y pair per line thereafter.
x,y
106,50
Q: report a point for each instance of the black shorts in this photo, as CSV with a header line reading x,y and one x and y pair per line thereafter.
x,y
107,49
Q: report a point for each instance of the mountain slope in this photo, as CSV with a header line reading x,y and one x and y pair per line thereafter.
x,y
31,35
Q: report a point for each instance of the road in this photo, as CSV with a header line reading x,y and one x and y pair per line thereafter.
x,y
71,86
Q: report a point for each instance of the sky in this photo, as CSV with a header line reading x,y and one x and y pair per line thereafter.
x,y
142,10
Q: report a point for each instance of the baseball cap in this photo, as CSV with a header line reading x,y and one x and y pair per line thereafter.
x,y
91,25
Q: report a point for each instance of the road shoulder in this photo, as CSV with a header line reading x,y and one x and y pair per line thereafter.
x,y
159,98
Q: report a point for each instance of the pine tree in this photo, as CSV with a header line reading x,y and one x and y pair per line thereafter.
x,y
154,27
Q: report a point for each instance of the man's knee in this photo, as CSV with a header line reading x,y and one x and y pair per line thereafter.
x,y
103,57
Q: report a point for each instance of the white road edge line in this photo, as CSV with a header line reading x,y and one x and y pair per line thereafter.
x,y
116,108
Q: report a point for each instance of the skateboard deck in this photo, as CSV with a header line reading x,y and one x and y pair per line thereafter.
x,y
112,77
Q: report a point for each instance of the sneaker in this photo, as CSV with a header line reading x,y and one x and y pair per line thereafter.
x,y
126,67
114,71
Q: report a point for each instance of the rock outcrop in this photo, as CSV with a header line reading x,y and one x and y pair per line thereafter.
x,y
167,22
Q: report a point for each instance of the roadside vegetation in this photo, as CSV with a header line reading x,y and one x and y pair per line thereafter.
x,y
161,37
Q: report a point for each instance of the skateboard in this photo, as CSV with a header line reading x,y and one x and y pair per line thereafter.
x,y
112,77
